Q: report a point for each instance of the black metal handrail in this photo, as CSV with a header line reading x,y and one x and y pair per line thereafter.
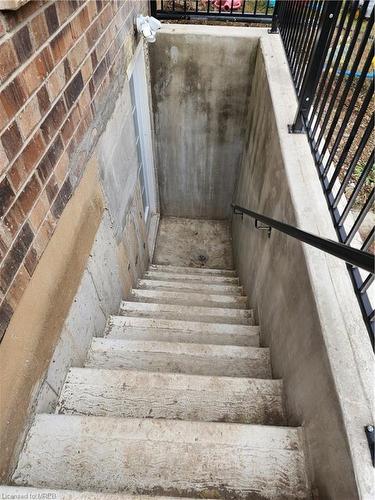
x,y
350,255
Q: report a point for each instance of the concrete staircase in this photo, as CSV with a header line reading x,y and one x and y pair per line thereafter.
x,y
177,399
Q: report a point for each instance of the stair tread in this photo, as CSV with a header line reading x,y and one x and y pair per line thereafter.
x,y
198,359
174,311
191,278
193,270
181,331
29,492
152,455
188,298
130,393
192,287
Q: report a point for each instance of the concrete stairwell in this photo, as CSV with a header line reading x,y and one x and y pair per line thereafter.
x,y
176,400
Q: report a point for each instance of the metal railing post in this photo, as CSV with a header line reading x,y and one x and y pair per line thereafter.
x,y
153,8
327,23
275,19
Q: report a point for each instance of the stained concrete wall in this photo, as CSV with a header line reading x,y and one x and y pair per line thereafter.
x,y
306,307
200,89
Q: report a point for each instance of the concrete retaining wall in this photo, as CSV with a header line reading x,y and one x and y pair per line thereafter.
x,y
308,313
200,84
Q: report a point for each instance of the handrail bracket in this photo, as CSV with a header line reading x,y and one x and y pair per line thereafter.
x,y
263,227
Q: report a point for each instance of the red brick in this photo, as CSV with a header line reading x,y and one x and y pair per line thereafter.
x,y
80,23
14,219
6,313
39,30
50,159
31,261
15,257
27,160
86,70
74,89
66,9
4,162
62,168
22,44
8,60
37,70
62,199
13,97
61,44
92,10
44,234
70,125
6,196
52,188
77,54
29,117
53,120
51,18
11,141
93,33
29,195
56,81
43,99
18,287
39,211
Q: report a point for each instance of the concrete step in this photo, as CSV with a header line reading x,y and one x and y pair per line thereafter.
x,y
195,287
203,459
191,278
132,328
20,492
135,394
204,271
188,299
195,313
174,357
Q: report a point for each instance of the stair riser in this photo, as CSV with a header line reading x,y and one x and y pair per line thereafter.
x,y
188,299
133,394
180,286
156,456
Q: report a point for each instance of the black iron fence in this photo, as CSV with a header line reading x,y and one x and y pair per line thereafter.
x,y
260,11
330,49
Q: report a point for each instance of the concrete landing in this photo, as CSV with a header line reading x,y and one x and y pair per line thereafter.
x,y
194,243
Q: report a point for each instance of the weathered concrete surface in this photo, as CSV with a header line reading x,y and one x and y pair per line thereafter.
x,y
174,357
306,306
194,242
187,297
182,286
18,491
164,456
196,332
36,324
186,312
200,88
139,394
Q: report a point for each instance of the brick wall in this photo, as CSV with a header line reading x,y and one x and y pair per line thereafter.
x,y
58,62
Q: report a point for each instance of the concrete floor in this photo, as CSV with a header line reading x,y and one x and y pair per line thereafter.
x,y
194,243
